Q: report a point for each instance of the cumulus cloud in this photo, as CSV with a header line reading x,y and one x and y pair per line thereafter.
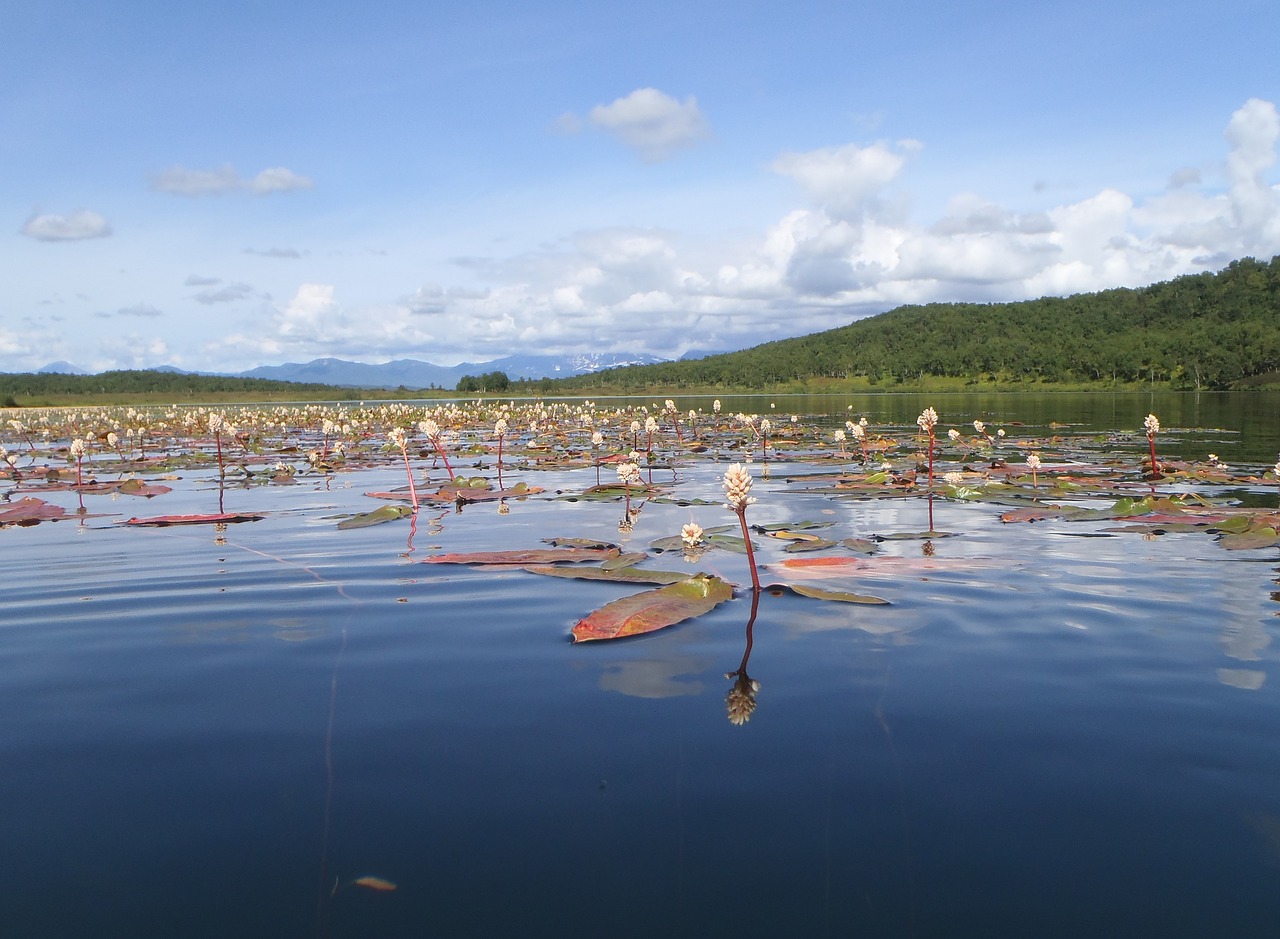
x,y
74,226
837,257
180,181
197,280
846,181
653,124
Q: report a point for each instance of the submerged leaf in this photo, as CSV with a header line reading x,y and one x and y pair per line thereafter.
x,y
654,609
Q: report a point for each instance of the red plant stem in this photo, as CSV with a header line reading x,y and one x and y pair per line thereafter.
x,y
1151,443
413,490
217,439
751,555
435,442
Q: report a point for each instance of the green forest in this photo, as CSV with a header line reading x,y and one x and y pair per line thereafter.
x,y
150,385
1211,331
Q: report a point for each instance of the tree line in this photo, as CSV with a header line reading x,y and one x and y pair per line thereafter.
x,y
1212,330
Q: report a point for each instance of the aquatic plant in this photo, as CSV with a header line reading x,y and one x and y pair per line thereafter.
x,y
737,490
1152,427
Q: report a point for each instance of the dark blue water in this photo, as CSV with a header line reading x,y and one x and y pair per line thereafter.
x,y
1054,730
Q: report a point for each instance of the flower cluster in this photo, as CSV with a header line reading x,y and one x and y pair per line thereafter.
x,y
737,487
1151,425
928,420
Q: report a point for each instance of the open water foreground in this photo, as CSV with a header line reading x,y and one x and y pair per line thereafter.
x,y
1055,728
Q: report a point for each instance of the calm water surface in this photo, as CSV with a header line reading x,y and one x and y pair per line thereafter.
x,y
1054,730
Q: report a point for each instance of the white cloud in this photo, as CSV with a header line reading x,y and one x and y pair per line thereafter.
x,y
180,181
74,226
845,181
653,124
837,257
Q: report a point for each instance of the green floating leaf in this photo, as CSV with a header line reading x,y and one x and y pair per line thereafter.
x,y
623,575
628,559
818,544
385,513
839,596
917,535
778,529
1255,538
654,609
578,543
525,557
861,545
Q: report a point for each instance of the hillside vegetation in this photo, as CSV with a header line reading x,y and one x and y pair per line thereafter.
x,y
149,385
1210,331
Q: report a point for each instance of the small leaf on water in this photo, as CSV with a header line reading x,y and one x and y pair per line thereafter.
x,y
386,513
622,575
818,544
629,559
578,543
527,556
861,545
654,609
218,518
1255,538
840,596
374,883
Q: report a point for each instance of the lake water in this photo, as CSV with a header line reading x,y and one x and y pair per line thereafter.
x,y
1052,729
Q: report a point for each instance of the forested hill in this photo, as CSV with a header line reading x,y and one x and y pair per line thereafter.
x,y
1200,331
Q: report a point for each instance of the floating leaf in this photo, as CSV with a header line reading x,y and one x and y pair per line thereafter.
x,y
374,883
31,511
629,559
400,495
578,543
527,556
1265,537
654,609
217,518
622,575
861,545
818,544
386,513
840,596
136,487
784,530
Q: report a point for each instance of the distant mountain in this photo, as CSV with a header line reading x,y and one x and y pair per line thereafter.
x,y
61,368
414,374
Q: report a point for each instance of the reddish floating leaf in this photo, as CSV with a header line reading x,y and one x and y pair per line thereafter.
x,y
622,575
654,609
225,518
30,511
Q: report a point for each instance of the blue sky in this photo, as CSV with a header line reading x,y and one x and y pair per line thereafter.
x,y
225,186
